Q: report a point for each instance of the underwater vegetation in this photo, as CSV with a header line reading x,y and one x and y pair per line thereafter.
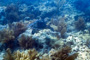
x,y
44,30
26,41
6,35
29,55
12,13
32,54
80,24
59,25
18,28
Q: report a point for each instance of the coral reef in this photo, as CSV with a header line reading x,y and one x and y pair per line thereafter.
x,y
79,43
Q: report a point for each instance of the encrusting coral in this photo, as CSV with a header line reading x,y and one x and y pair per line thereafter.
x,y
6,35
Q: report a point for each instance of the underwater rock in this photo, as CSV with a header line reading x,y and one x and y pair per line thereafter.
x,y
48,39
3,27
23,8
48,12
1,55
80,44
83,53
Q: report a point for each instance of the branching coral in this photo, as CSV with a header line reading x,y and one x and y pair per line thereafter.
x,y
63,54
26,41
80,24
6,35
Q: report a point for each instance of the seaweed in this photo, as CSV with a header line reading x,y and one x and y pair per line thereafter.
x,y
59,25
26,42
18,28
62,54
12,13
6,35
8,55
30,54
80,24
72,57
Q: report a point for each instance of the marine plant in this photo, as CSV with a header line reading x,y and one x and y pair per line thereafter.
x,y
26,41
32,54
59,26
63,54
80,24
12,13
6,35
62,28
18,28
